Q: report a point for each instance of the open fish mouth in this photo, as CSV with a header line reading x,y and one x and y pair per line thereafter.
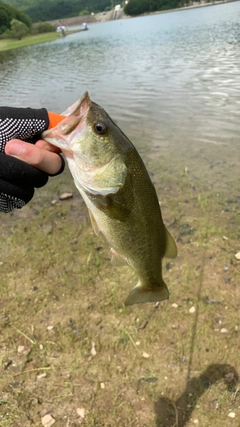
x,y
73,124
79,108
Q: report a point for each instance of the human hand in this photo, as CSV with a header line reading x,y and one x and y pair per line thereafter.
x,y
23,165
42,155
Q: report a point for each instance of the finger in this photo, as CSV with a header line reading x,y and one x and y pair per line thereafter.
x,y
46,146
47,161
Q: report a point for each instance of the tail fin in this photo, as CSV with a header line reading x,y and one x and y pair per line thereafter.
x,y
140,294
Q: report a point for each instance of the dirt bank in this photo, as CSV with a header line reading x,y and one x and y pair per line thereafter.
x,y
90,19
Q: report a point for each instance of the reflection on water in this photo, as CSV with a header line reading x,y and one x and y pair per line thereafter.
x,y
169,80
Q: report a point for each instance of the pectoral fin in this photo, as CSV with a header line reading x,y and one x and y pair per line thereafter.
x,y
140,294
110,206
116,259
171,247
94,223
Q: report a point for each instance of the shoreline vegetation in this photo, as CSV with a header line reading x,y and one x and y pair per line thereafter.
x,y
195,6
9,44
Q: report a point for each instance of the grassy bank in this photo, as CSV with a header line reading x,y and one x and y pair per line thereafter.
x,y
8,44
71,350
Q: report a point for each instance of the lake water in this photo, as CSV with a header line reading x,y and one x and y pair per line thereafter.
x,y
171,81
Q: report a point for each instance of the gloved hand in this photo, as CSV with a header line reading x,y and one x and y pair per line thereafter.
x,y
17,178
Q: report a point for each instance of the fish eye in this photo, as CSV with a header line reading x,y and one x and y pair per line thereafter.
x,y
100,128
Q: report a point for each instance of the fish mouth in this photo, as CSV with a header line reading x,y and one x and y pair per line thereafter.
x,y
74,121
79,108
75,115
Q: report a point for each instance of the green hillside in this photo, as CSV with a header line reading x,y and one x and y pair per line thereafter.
x,y
137,7
8,14
46,10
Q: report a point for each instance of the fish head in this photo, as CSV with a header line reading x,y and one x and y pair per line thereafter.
x,y
91,143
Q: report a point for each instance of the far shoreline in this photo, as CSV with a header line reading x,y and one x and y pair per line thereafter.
x,y
10,44
216,3
78,20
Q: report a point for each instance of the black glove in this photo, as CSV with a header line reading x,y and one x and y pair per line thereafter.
x,y
17,178
17,182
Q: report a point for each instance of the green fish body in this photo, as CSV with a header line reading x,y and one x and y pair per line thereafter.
x,y
121,199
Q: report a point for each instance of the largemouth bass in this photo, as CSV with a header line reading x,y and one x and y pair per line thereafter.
x,y
121,199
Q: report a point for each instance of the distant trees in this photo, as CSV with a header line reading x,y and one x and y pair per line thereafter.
x,y
8,13
15,24
4,20
137,7
42,10
18,29
84,12
42,27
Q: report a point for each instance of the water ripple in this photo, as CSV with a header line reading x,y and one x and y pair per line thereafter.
x,y
171,75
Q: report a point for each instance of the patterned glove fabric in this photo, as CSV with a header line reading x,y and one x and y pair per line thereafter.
x,y
17,182
17,178
26,124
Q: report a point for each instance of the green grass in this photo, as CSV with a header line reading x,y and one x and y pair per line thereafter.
x,y
59,294
8,44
